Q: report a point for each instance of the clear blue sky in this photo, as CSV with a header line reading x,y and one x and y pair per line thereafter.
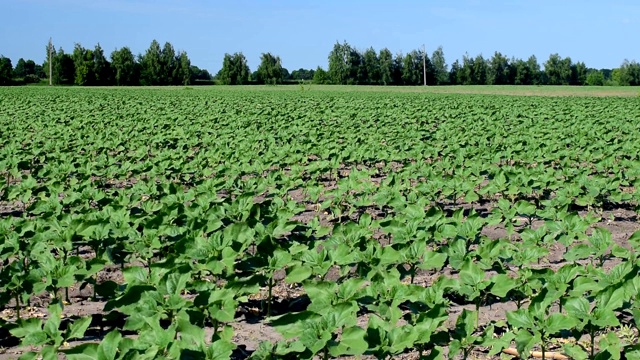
x,y
600,33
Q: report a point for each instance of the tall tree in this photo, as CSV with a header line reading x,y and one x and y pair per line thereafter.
x,y
629,73
371,64
235,70
270,69
441,73
578,73
410,76
523,75
6,70
101,67
320,76
183,71
466,74
557,70
357,71
126,71
151,65
168,65
339,63
20,70
454,72
480,67
534,70
385,59
498,71
83,61
63,67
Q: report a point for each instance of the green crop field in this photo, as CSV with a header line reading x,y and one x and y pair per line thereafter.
x,y
217,223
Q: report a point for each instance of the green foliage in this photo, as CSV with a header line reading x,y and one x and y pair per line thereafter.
x,y
235,70
270,69
216,199
6,70
595,78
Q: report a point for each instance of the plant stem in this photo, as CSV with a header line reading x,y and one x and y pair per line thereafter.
x,y
593,341
18,306
270,284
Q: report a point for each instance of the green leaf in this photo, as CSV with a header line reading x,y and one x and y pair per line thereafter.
x,y
578,307
135,275
108,347
556,322
575,351
88,351
610,298
352,342
526,340
521,319
30,355
433,260
175,283
298,273
78,328
501,285
26,327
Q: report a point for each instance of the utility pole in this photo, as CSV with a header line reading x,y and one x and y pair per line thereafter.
x,y
424,65
50,63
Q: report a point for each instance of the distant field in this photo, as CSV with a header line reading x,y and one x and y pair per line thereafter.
x,y
590,91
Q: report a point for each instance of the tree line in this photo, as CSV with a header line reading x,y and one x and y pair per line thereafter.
x,y
163,65
347,65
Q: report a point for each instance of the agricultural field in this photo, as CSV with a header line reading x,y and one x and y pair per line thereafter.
x,y
256,224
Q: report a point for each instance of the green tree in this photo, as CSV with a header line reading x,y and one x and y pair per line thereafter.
x,y
523,75
454,72
534,70
498,71
480,68
441,73
168,66
578,73
302,74
63,67
340,63
466,74
595,78
183,71
6,70
126,70
270,69
20,70
151,65
558,70
615,77
84,69
320,76
385,60
199,74
371,64
101,67
235,70
629,73
398,61
413,69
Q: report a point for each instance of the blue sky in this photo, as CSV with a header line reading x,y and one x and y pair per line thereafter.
x,y
600,33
